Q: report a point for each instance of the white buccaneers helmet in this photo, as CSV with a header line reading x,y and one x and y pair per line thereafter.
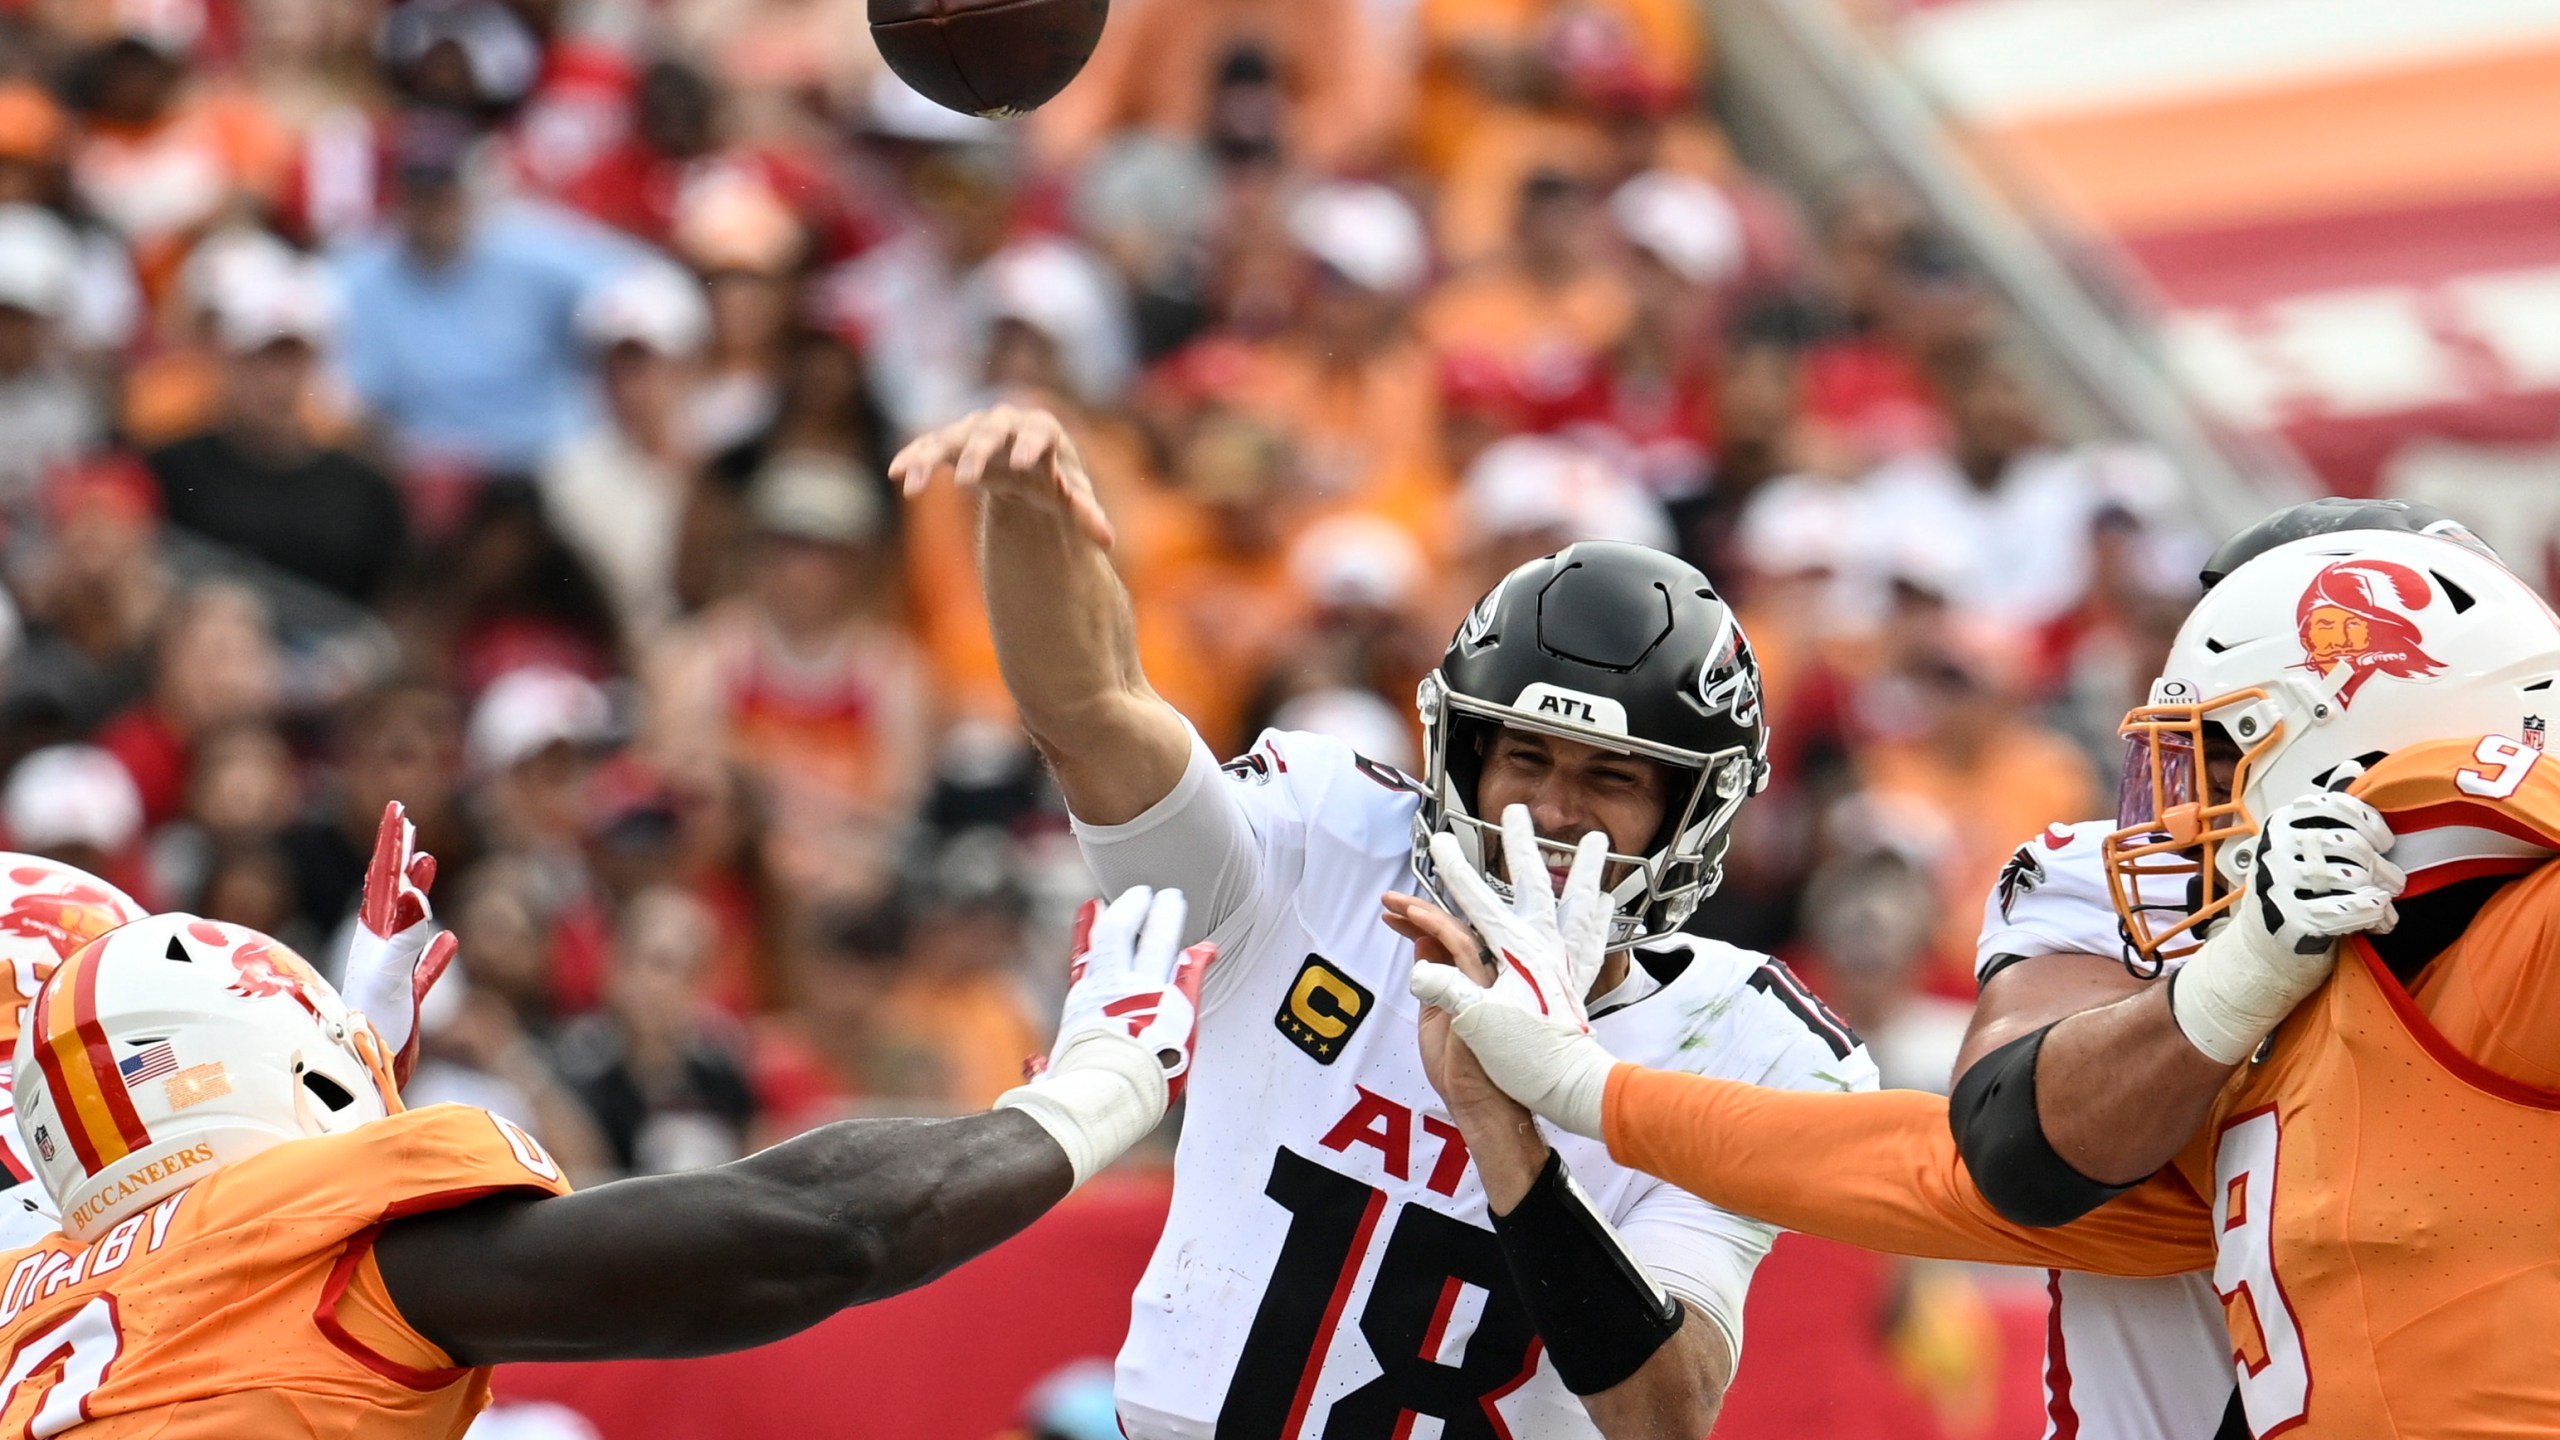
x,y
174,1046
2303,668
48,910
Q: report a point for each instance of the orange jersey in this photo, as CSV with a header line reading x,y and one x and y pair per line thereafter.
x,y
249,1303
2372,1197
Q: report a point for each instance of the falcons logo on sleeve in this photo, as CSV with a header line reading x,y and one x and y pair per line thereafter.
x,y
2023,873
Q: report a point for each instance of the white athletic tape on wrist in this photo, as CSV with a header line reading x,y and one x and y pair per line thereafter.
x,y
1101,1095
1544,1062
2231,993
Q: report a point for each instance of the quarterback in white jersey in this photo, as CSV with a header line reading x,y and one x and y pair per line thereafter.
x,y
1367,1237
2124,1359
1329,1264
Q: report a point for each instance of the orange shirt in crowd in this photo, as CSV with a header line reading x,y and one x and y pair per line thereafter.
x,y
249,1303
845,723
1498,311
2014,783
975,1028
1664,38
1366,434
1230,617
159,185
1159,60
945,596
2372,1196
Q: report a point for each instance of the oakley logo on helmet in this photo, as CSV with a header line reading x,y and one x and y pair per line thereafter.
x,y
2361,614
1599,712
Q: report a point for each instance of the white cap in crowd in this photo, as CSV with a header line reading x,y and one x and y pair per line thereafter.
x,y
1798,525
1356,560
1687,223
1062,291
527,711
1533,484
39,261
1367,233
65,795
654,304
810,495
294,301
1360,719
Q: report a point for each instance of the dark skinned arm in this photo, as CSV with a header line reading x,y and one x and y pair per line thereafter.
x,y
2026,995
2119,1089
726,1258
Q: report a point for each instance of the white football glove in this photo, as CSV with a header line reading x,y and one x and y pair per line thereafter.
x,y
397,953
1124,1041
1528,1028
2318,875
1546,952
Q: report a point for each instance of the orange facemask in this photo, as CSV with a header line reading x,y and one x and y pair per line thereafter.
x,y
2172,825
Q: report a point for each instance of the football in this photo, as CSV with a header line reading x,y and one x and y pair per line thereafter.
x,y
991,58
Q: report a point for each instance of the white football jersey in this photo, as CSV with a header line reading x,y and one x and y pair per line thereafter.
x,y
1328,1268
2124,1359
2052,899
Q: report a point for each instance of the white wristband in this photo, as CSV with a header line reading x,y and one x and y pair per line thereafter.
x,y
1101,1095
2230,993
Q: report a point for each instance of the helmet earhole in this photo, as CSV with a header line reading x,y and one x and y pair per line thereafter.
x,y
327,1091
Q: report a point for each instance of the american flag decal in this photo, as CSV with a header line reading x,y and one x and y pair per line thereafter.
x,y
149,1063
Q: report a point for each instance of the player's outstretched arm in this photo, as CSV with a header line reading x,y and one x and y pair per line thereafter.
x,y
721,1259
2055,1122
726,1258
1878,1169
1064,634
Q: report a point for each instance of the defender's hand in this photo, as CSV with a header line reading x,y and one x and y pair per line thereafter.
x,y
1543,1061
1127,975
396,954
1547,951
1439,938
1527,1026
2318,875
1124,1043
1010,454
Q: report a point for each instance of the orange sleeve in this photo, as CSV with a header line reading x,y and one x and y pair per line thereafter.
x,y
366,1315
2478,806
417,1160
1878,1169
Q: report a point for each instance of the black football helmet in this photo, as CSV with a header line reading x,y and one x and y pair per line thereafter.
x,y
1625,648
2331,515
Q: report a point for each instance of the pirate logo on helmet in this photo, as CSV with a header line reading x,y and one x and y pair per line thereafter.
x,y
2362,614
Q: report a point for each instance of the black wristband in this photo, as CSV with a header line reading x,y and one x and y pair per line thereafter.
x,y
1600,1315
2001,1136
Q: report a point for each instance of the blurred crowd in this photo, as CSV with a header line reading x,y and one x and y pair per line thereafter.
x,y
484,403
